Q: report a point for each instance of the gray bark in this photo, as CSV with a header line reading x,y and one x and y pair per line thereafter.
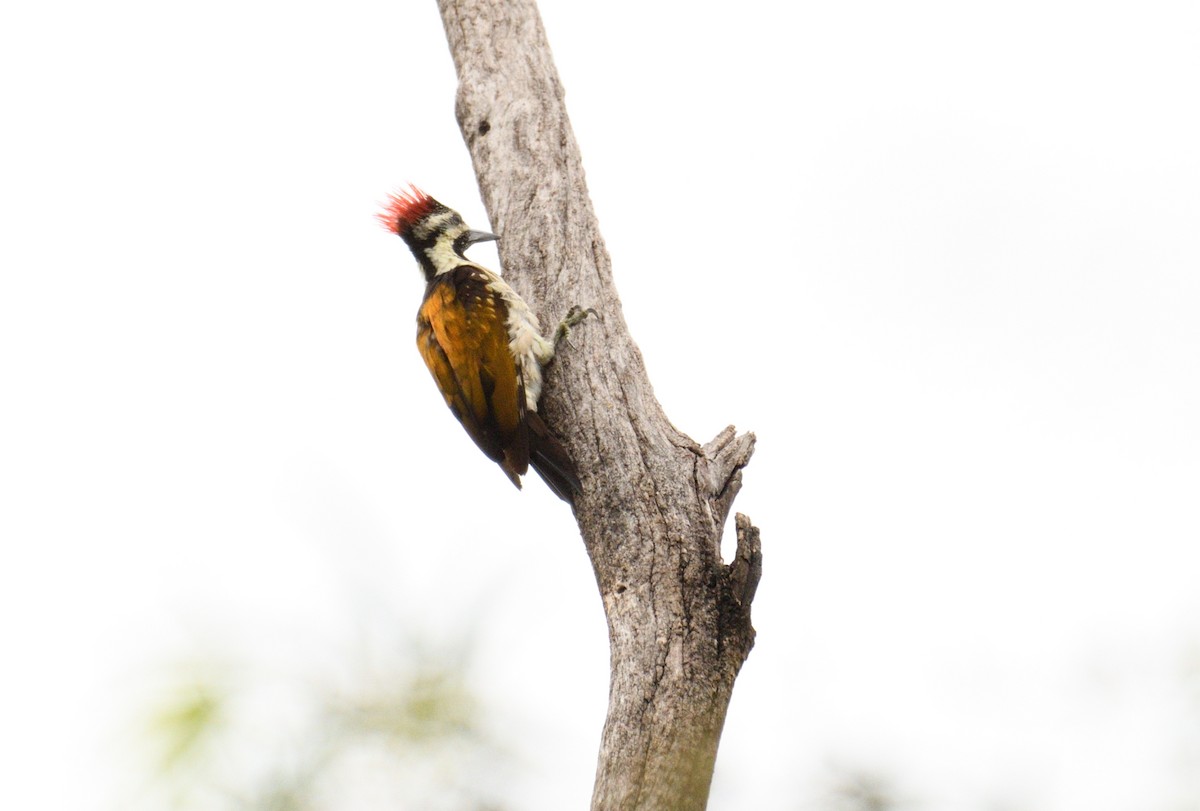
x,y
654,501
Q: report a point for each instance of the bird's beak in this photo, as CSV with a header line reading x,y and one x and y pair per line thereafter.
x,y
480,236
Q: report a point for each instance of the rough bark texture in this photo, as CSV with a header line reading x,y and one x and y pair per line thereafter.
x,y
654,501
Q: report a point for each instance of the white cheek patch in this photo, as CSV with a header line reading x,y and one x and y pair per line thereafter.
x,y
442,256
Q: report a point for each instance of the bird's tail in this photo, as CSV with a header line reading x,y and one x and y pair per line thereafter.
x,y
551,460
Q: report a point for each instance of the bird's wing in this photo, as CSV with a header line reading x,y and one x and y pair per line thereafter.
x,y
463,338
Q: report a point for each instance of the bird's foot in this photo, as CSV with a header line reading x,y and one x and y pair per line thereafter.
x,y
575,315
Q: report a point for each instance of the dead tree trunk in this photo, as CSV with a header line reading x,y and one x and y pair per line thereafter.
x,y
654,501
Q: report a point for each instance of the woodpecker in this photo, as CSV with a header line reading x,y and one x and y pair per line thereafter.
x,y
482,343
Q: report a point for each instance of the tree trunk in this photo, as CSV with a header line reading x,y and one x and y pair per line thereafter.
x,y
654,502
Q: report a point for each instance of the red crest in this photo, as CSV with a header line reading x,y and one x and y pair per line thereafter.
x,y
404,210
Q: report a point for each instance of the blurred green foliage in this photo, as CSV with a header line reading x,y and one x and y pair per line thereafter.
x,y
430,705
181,723
403,734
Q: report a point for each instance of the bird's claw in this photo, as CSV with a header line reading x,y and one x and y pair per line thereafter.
x,y
578,314
575,315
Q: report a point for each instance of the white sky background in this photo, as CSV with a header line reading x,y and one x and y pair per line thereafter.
x,y
944,259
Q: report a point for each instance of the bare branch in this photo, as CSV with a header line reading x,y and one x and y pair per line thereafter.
x,y
654,502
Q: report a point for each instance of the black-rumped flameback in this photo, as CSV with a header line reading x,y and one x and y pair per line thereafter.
x,y
482,343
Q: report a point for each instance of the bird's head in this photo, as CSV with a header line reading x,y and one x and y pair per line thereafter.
x,y
437,235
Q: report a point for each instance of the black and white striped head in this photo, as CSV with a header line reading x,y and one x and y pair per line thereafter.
x,y
437,235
